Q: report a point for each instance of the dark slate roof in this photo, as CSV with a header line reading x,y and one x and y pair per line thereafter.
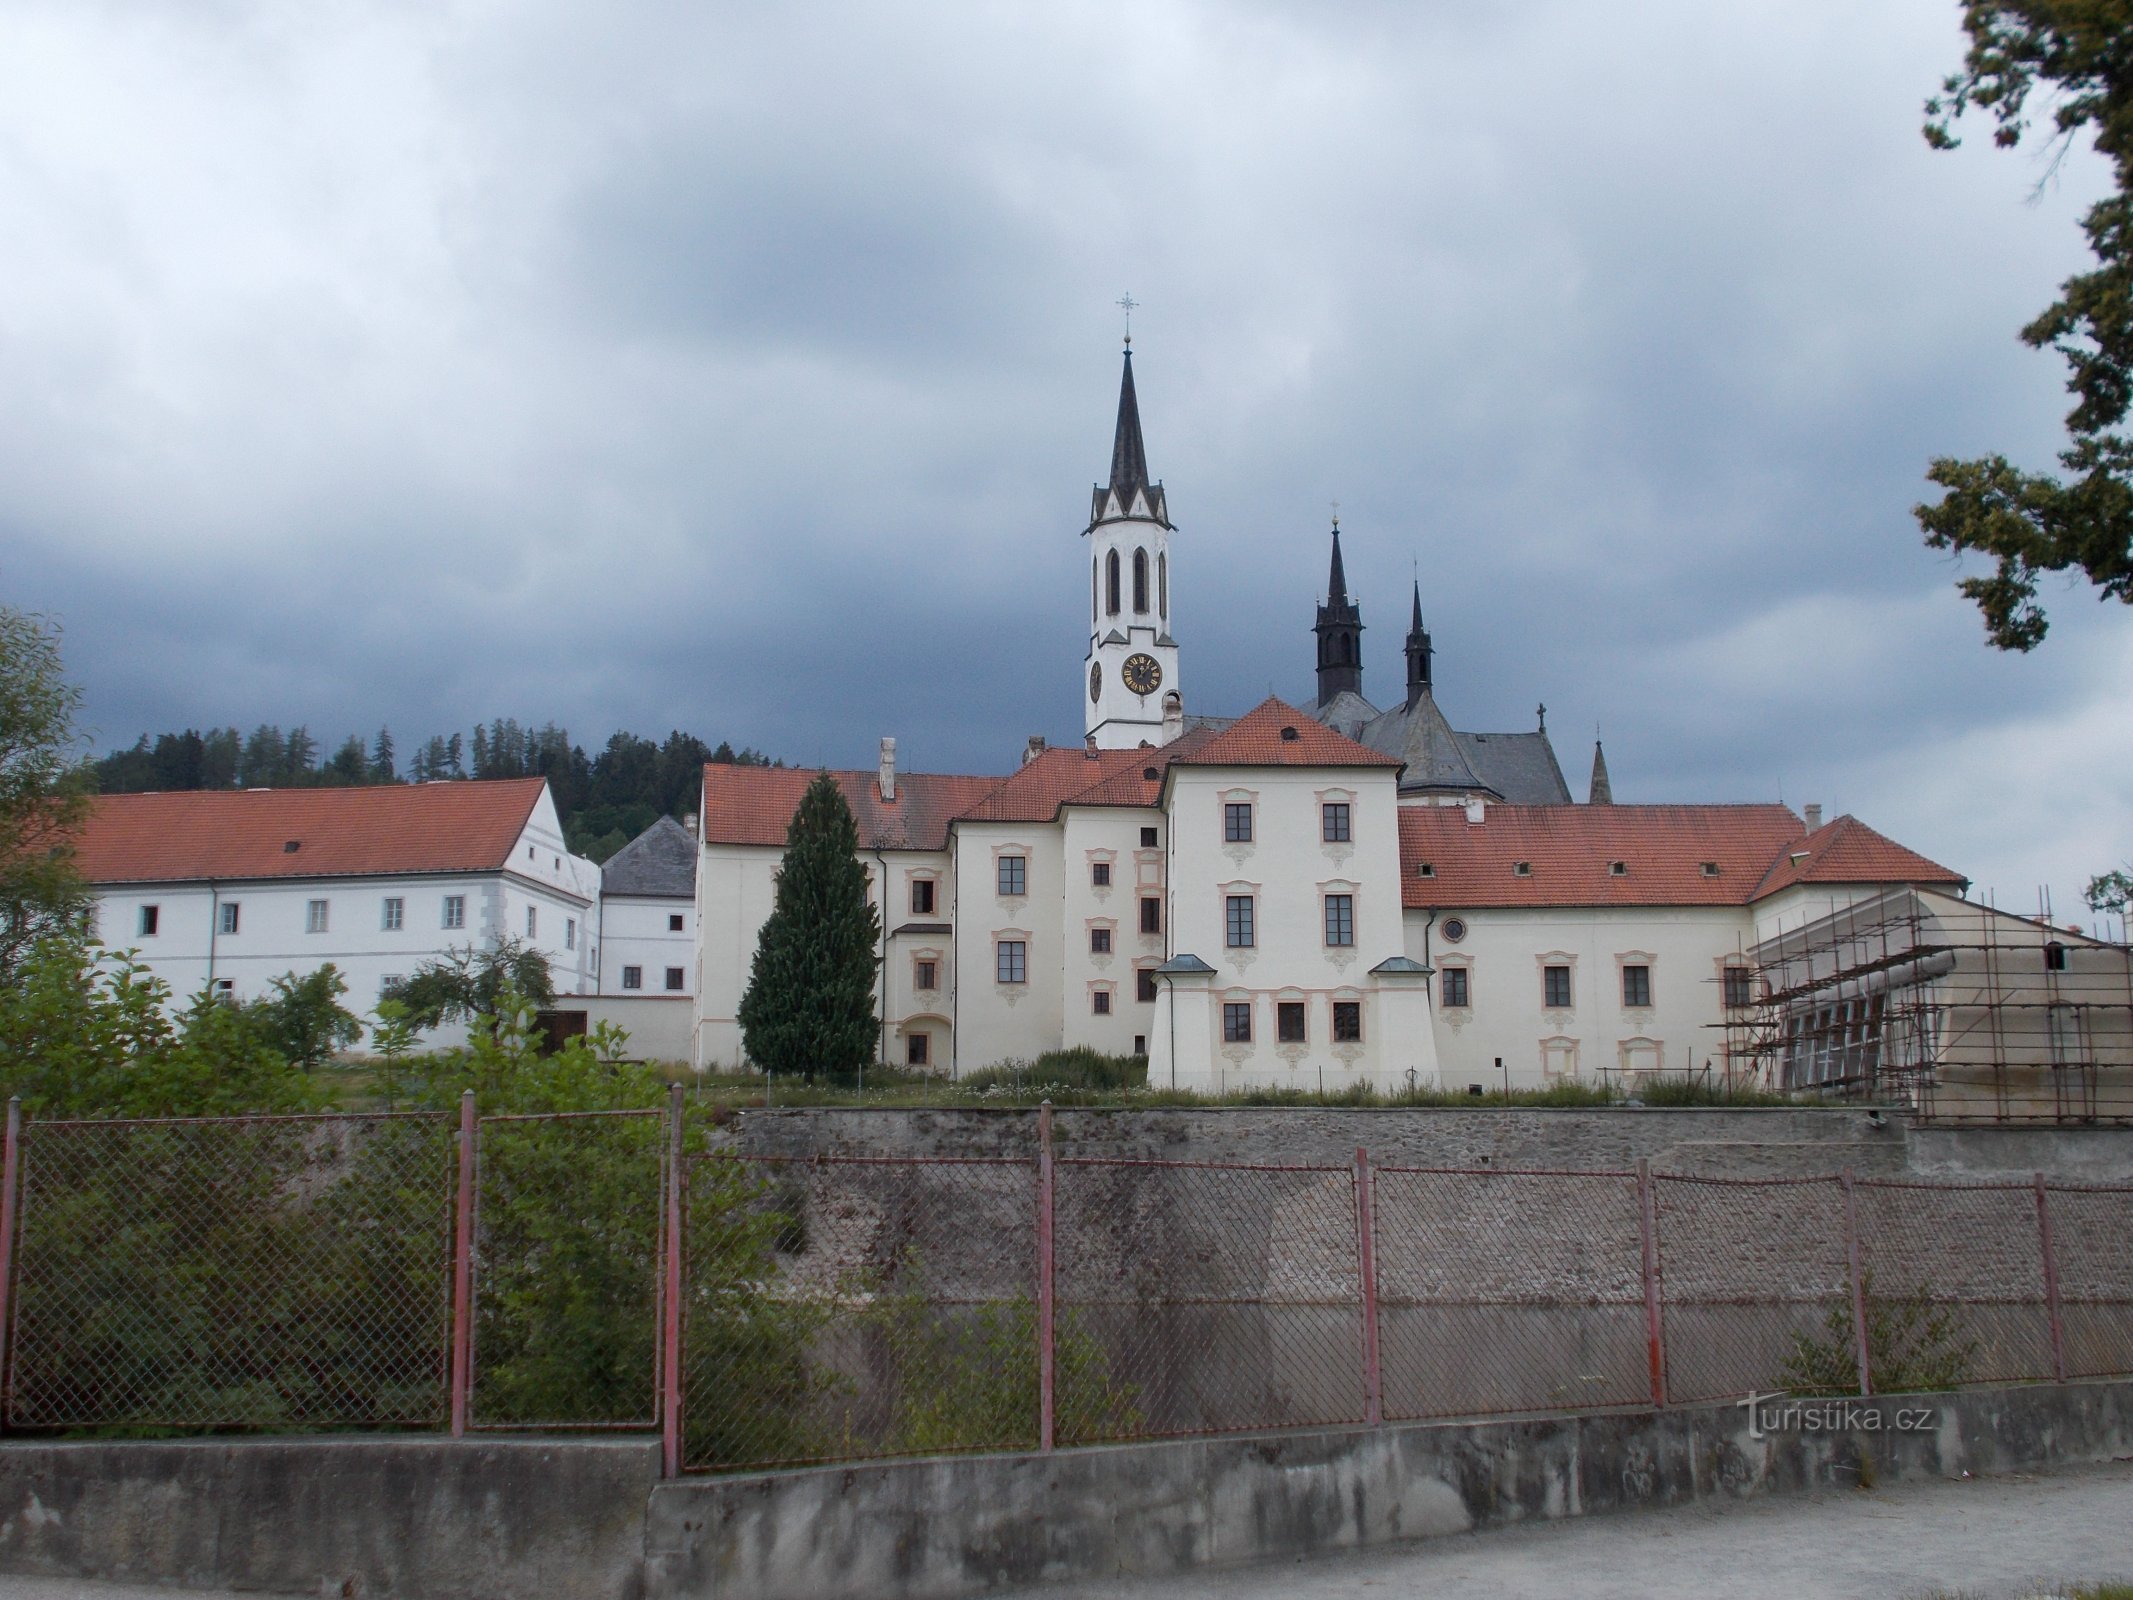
x,y
1519,766
1130,493
1347,712
1424,741
661,861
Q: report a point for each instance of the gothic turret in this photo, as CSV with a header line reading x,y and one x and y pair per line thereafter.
x,y
1340,634
1418,653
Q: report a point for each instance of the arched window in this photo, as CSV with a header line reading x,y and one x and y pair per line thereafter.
x,y
1140,580
1092,586
1162,586
1111,582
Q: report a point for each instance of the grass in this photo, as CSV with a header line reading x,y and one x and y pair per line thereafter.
x,y
1084,1077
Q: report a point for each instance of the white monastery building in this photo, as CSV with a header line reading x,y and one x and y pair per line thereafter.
x,y
1330,893
227,890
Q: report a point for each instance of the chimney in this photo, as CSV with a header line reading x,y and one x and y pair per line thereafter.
x,y
1034,749
1088,745
689,822
1477,809
1173,717
888,769
1814,818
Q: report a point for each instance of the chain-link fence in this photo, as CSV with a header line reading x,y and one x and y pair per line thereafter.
x,y
592,1271
239,1272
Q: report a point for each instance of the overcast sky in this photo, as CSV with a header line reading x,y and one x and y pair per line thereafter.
x,y
743,368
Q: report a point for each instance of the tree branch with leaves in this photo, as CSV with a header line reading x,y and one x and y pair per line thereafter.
x,y
2080,54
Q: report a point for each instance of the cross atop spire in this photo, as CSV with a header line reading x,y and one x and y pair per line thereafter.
x,y
1129,464
1337,578
1129,305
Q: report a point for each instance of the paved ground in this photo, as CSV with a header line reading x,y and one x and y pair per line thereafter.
x,y
1990,1538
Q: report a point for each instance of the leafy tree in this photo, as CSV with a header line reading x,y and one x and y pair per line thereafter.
x,y
43,788
302,1019
463,985
809,1006
2110,891
2081,52
1913,1344
88,1032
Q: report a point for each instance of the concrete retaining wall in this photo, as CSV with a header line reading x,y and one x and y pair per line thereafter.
x,y
978,1524
428,1518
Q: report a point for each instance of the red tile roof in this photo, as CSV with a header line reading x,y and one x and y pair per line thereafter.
x,y
1848,851
1276,734
754,805
1569,851
1035,791
244,834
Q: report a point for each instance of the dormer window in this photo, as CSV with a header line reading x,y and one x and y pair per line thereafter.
x,y
1425,869
1710,869
1289,735
289,847
1618,869
1521,869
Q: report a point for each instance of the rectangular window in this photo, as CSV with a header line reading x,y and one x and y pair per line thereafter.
x,y
1100,874
674,922
1011,961
1555,987
1636,986
388,983
1147,838
918,1049
1144,986
633,977
1340,919
229,916
1237,822
1740,988
1238,924
1455,988
1333,822
570,933
1347,1021
151,917
533,921
1236,1022
1100,1002
1289,1022
921,897
925,975
1099,941
315,916
395,910
2055,957
676,976
1151,916
1014,877
455,911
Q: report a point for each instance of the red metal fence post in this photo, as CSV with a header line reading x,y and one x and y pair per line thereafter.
x,y
1648,1233
1047,1354
1858,1279
463,1271
670,1296
1366,1232
10,1183
2044,1243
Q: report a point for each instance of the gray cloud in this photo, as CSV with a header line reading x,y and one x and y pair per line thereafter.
x,y
743,369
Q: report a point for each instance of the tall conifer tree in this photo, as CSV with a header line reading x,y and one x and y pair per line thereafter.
x,y
810,1003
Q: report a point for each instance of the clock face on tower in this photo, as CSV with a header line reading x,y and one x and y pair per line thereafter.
x,y
1096,680
1142,674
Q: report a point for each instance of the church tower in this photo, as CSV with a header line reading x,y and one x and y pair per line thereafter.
x,y
1132,664
1340,634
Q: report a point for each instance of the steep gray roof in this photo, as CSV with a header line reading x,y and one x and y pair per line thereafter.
x,y
1519,766
1420,737
1347,712
661,861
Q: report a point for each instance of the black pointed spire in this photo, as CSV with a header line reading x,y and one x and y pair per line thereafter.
x,y
1418,653
1602,792
1340,634
1129,461
1129,458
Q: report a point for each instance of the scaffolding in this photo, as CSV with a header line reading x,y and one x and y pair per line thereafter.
x,y
1954,1008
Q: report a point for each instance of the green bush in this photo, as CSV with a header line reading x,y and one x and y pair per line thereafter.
x,y
1079,1068
1913,1345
